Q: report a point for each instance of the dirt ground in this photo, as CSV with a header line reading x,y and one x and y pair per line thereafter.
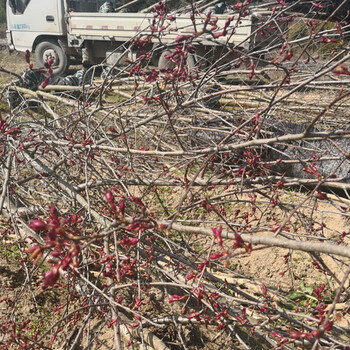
x,y
13,62
280,270
22,301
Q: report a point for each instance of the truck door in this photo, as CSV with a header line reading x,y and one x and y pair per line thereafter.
x,y
28,19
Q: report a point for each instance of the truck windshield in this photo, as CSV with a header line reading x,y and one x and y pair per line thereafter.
x,y
18,6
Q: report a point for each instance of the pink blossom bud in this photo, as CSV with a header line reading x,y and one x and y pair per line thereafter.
x,y
44,83
37,225
27,56
122,207
182,37
53,212
49,62
176,298
328,327
51,277
294,334
109,196
216,255
217,234
341,70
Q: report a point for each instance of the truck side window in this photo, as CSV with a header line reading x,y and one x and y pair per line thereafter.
x,y
18,6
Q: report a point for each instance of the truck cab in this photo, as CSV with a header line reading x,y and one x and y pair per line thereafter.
x,y
28,21
38,26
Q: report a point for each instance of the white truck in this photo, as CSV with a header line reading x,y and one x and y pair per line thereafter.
x,y
56,28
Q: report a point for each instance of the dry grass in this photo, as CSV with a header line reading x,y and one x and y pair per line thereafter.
x,y
13,62
3,30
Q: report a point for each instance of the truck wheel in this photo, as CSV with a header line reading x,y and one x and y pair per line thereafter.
x,y
50,48
164,63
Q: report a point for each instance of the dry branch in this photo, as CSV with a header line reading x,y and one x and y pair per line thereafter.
x,y
43,94
209,150
128,158
271,241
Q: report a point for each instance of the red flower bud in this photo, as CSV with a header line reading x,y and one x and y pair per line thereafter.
x,y
176,298
37,225
294,334
216,255
122,207
44,83
182,37
328,327
109,196
49,62
53,212
51,277
263,290
217,234
275,228
321,195
27,56
341,70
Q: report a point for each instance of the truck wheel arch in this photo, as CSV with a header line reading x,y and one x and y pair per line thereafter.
x,y
46,47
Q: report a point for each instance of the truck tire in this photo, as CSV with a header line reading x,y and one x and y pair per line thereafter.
x,y
164,63
51,48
